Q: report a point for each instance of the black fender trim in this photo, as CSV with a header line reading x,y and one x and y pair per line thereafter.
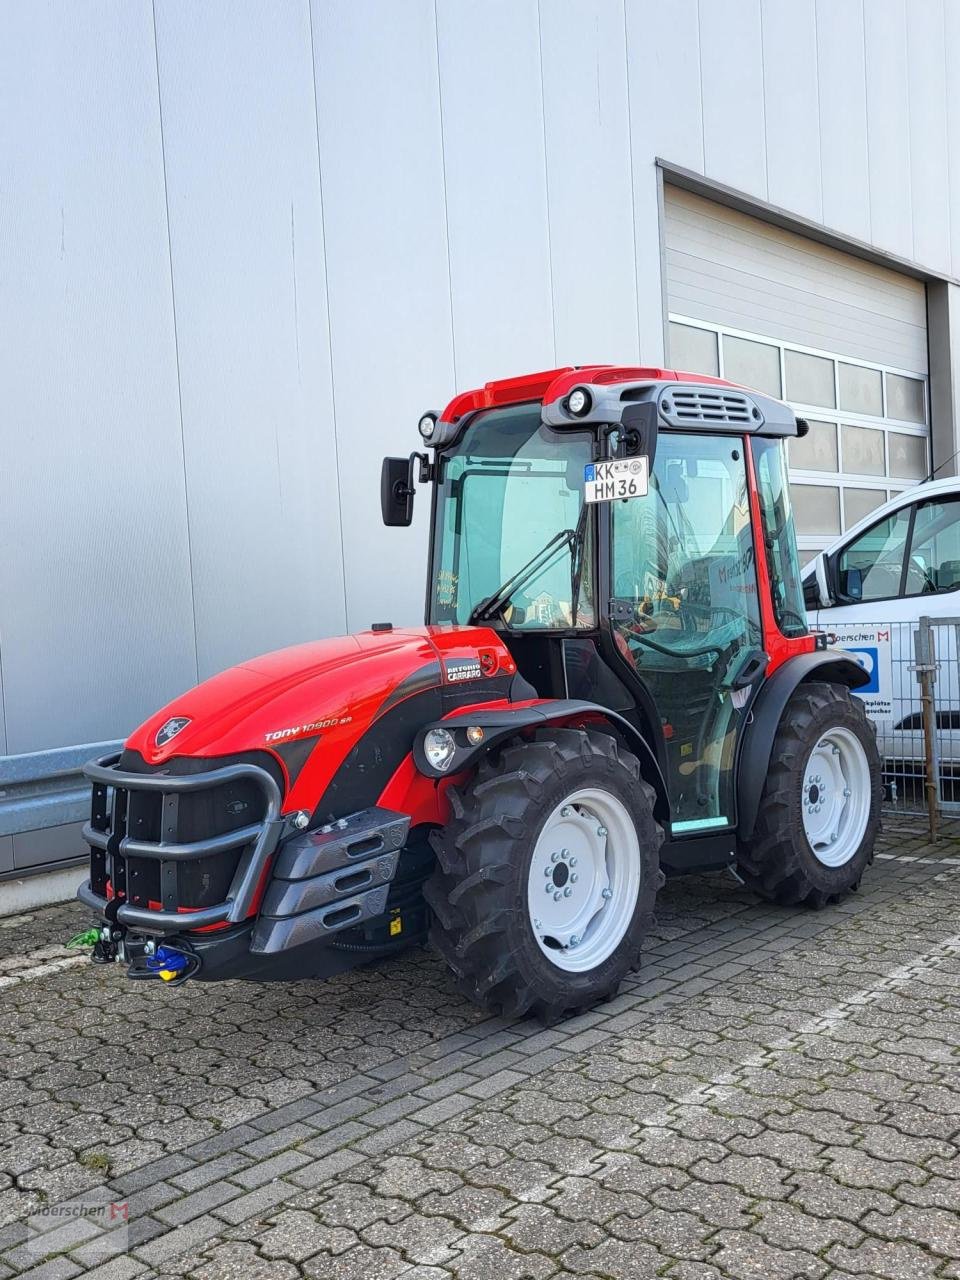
x,y
504,722
832,666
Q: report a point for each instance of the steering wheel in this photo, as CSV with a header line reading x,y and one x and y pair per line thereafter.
x,y
710,645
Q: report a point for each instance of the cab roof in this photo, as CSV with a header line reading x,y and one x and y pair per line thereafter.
x,y
719,404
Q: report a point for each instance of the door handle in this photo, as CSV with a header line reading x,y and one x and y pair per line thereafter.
x,y
754,666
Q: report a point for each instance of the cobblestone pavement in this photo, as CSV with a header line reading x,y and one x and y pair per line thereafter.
x,y
775,1094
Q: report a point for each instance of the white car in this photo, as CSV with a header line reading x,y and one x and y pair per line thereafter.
x,y
870,588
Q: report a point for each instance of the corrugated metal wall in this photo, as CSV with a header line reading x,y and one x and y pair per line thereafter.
x,y
243,245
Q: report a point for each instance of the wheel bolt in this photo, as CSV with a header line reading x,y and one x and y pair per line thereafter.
x,y
564,853
607,893
574,939
557,896
547,871
554,857
565,811
846,791
550,887
567,893
573,878
601,831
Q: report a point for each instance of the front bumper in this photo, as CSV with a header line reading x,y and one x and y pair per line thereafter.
x,y
291,891
114,848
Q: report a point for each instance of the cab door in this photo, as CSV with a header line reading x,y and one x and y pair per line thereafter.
x,y
686,618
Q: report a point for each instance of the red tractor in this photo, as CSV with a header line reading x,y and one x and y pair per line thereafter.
x,y
615,680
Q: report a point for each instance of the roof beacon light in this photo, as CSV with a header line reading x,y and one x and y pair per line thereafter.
x,y
579,402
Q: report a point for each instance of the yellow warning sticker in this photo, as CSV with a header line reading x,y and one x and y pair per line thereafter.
x,y
396,926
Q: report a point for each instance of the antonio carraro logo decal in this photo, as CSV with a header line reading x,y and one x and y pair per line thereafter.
x,y
171,729
456,670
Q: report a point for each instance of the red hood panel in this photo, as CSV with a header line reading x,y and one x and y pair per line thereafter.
x,y
327,688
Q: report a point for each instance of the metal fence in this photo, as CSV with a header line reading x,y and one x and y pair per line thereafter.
x,y
913,699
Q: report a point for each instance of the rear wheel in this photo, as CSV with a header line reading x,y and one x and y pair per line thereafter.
x,y
820,809
547,874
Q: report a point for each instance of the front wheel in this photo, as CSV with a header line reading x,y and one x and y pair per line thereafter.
x,y
547,874
820,808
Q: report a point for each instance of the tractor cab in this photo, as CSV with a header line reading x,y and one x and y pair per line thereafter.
x,y
628,534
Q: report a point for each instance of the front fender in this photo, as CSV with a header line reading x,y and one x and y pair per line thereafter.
x,y
831,666
501,723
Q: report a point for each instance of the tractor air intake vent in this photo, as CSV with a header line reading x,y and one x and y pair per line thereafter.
x,y
709,405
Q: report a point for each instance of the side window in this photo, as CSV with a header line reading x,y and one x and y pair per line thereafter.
x,y
871,567
934,563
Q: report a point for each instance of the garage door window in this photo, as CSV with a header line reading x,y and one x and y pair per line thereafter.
x,y
868,437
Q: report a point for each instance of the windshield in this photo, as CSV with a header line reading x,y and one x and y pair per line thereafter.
x,y
511,537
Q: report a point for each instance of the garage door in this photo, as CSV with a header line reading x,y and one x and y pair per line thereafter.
x,y
844,341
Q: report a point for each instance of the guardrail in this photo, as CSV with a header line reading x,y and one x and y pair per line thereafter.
x,y
45,789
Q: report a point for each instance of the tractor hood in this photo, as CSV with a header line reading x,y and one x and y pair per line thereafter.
x,y
316,701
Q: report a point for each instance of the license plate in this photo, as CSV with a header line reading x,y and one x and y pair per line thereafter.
x,y
620,478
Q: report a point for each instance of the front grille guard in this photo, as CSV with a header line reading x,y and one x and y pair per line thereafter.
x,y
106,834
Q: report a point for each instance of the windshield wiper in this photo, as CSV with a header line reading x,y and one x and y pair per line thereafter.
x,y
577,546
493,604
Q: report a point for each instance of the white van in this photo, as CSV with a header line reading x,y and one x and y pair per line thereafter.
x,y
869,589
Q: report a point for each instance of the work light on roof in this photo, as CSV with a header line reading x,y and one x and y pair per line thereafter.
x,y
579,402
427,425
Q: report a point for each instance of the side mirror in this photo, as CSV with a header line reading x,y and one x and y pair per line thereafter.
x,y
851,583
637,436
397,491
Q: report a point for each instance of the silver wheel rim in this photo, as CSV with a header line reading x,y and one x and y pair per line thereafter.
x,y
836,797
584,880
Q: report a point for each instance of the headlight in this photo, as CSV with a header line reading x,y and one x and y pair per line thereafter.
x,y
427,425
439,748
579,402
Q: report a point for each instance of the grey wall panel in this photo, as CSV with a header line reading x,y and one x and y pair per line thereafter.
x,y
929,150
731,82
587,125
951,54
95,607
388,278
496,187
3,719
888,126
841,86
791,108
240,141
735,270
663,52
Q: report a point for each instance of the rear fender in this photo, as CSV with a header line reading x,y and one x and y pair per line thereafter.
x,y
500,724
829,666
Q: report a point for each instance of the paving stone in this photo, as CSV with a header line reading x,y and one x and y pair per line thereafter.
x,y
254,1203
238,1261
295,1234
885,1260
